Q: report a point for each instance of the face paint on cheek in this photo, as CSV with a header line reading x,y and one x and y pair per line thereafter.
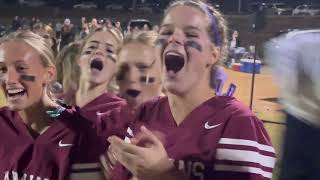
x,y
27,77
193,44
147,79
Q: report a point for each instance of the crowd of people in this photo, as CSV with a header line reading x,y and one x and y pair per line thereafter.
x,y
132,104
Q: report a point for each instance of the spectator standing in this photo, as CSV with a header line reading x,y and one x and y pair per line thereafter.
x,y
67,33
16,23
118,25
58,29
94,24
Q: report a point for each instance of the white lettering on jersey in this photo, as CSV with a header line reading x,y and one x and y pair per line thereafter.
x,y
13,175
193,169
24,176
198,169
6,176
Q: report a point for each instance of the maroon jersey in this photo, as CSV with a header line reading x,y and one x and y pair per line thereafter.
x,y
69,149
98,120
220,139
33,156
101,105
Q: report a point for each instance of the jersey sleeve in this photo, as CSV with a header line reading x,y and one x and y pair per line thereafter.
x,y
244,151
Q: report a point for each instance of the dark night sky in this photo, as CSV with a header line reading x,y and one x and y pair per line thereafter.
x,y
229,5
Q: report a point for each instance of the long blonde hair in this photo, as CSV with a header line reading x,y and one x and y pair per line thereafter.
x,y
112,86
68,70
36,42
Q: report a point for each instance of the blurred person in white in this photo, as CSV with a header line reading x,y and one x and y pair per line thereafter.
x,y
295,61
118,26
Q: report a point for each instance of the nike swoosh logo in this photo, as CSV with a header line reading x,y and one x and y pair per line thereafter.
x,y
207,126
98,113
64,145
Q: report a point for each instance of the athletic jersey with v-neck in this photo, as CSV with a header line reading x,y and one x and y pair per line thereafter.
x,y
68,149
98,120
45,157
220,139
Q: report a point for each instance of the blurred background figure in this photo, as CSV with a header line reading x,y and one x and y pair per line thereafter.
x,y
68,72
235,50
58,29
108,23
94,24
295,61
146,28
118,26
67,33
48,34
128,31
83,21
234,41
135,29
85,31
33,21
16,23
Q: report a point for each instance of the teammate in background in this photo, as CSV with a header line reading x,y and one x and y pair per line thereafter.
x,y
68,72
97,62
192,134
295,61
138,74
48,34
100,108
33,144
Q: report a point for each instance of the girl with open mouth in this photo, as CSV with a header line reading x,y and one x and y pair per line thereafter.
x,y
191,133
138,74
33,144
97,62
40,138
